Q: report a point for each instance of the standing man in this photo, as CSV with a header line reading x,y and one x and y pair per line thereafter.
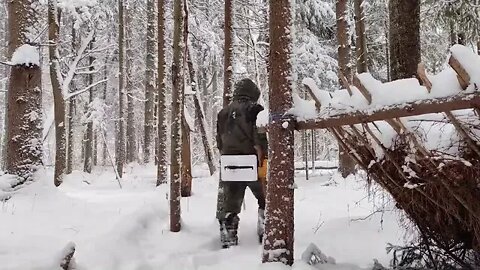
x,y
237,135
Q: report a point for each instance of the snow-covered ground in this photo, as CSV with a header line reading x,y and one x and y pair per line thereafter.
x,y
128,228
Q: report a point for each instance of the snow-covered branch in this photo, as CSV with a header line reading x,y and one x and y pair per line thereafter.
x,y
6,63
73,66
70,95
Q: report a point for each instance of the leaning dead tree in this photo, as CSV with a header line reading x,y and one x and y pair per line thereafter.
x,y
434,183
279,223
24,114
200,115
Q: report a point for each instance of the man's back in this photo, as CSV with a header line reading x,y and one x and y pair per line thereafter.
x,y
236,128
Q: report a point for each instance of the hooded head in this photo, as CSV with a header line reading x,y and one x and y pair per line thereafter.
x,y
246,89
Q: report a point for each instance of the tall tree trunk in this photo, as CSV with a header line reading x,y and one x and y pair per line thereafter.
x,y
161,104
71,112
58,99
149,80
102,128
404,38
361,40
227,85
88,162
346,164
186,189
120,140
228,52
279,222
199,116
177,113
215,92
3,86
24,113
131,141
95,148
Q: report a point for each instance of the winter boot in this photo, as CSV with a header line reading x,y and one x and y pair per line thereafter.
x,y
260,224
228,230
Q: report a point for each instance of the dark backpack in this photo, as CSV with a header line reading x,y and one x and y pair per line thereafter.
x,y
236,127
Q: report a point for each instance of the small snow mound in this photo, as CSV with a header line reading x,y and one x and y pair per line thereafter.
x,y
303,109
313,256
469,60
26,55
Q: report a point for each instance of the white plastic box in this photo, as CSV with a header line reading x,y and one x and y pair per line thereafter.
x,y
238,168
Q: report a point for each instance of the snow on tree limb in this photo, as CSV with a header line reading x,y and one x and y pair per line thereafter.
x,y
26,55
70,95
73,66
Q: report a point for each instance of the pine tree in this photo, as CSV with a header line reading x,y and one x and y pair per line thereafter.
x,y
120,139
346,164
177,113
149,80
361,41
24,113
279,223
161,107
404,38
131,150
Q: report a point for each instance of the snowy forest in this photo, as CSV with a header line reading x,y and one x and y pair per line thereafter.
x,y
364,141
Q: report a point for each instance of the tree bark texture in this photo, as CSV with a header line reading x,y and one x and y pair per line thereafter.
x,y
24,114
177,113
404,38
361,40
4,70
279,222
88,161
186,189
149,81
120,140
228,53
131,141
161,93
346,164
58,99
102,129
71,111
